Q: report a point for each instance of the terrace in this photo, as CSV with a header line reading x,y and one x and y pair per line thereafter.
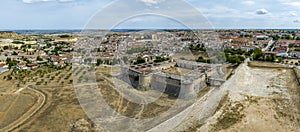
x,y
145,68
177,71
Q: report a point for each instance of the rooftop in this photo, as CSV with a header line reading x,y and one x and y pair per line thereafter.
x,y
176,70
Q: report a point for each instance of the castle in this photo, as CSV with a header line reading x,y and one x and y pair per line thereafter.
x,y
182,79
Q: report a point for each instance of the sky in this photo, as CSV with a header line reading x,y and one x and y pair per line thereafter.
x,y
220,14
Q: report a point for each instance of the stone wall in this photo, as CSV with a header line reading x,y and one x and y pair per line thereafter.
x,y
177,87
144,81
135,79
165,84
174,85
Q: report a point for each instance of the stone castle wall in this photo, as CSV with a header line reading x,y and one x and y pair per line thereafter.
x,y
175,85
135,78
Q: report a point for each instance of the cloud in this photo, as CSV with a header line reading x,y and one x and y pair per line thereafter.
x,y
262,12
293,13
297,21
248,2
225,12
150,2
296,4
35,1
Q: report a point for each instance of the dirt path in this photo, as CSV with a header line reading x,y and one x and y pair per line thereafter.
x,y
178,119
259,100
201,110
29,114
18,91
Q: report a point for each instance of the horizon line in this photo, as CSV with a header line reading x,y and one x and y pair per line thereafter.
x,y
150,29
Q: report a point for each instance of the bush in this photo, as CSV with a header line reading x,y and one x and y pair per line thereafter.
x,y
38,83
258,54
140,60
161,59
203,60
9,77
297,49
233,59
18,42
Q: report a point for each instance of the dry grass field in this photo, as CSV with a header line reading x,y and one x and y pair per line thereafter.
x,y
258,100
61,106
269,96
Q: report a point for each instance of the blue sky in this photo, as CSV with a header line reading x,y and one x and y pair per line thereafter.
x,y
75,14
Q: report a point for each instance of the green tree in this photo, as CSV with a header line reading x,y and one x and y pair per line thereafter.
x,y
39,58
234,59
64,36
160,59
99,62
203,60
270,58
140,60
6,47
258,54
276,37
11,62
14,53
9,77
288,37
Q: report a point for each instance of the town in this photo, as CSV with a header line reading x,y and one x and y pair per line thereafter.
x,y
184,65
28,52
31,51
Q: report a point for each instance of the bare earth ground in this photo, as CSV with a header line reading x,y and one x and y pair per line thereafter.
x,y
14,106
6,86
24,105
254,99
61,108
121,101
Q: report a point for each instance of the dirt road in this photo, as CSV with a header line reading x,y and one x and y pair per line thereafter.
x,y
40,103
262,94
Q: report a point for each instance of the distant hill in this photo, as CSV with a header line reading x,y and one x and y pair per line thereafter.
x,y
8,34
